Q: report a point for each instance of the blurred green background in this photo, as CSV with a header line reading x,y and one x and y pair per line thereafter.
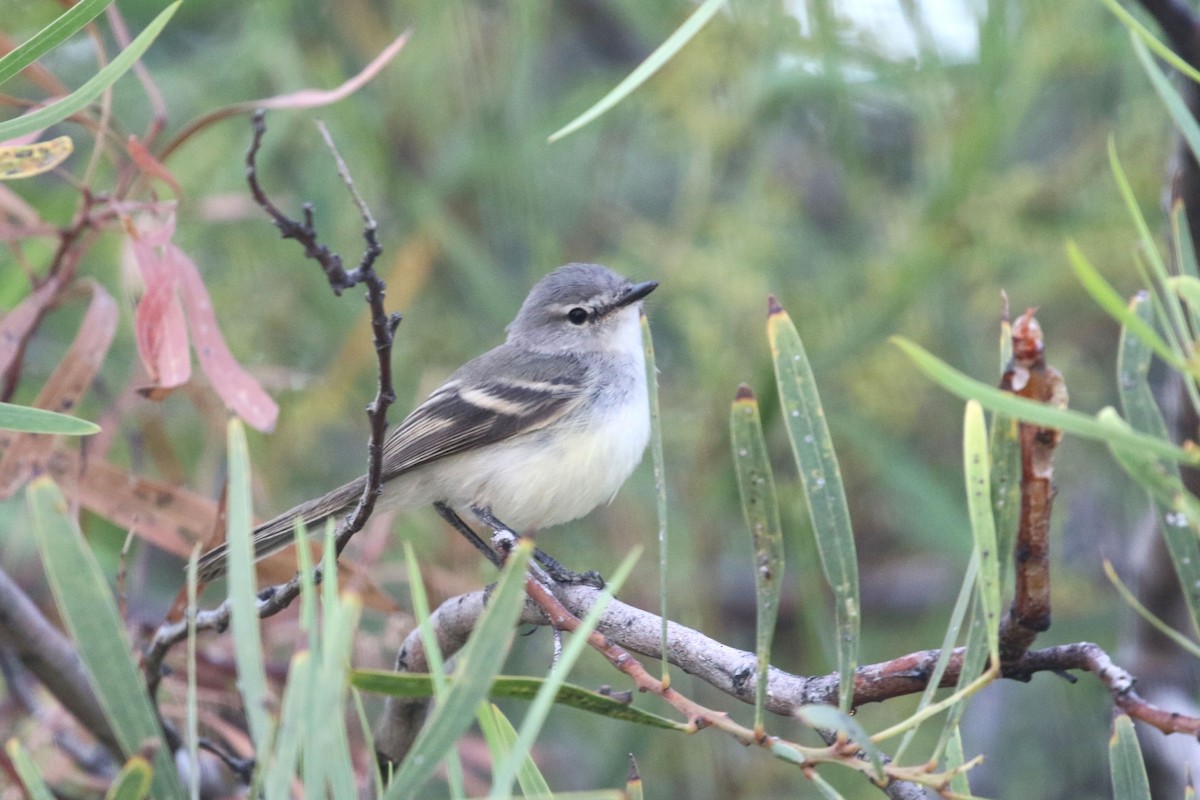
x,y
880,166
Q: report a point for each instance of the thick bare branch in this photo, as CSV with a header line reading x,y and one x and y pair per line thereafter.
x,y
51,657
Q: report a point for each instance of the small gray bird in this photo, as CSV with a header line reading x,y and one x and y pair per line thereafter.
x,y
534,433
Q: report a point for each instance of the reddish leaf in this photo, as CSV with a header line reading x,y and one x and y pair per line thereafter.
x,y
16,328
150,165
66,385
237,388
310,98
159,326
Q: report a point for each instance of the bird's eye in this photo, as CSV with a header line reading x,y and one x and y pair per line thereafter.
x,y
577,315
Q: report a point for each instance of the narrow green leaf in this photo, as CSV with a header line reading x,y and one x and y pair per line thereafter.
x,y
822,480
1005,455
400,684
983,526
280,768
1187,288
27,771
1180,508
37,420
1125,762
1185,248
1072,422
660,492
827,791
433,654
247,641
1114,304
974,656
86,604
328,739
653,63
966,594
1166,303
368,739
501,736
1184,121
535,717
1171,496
1160,49
954,760
478,663
1130,600
132,782
830,718
93,88
62,28
760,508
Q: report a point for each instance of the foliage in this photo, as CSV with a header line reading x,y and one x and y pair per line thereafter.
x,y
874,185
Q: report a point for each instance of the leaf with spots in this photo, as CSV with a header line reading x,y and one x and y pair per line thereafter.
x,y
822,480
760,507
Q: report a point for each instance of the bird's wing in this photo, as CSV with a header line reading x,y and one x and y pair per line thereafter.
x,y
479,406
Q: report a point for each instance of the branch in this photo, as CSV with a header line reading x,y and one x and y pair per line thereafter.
x,y
274,599
732,670
52,657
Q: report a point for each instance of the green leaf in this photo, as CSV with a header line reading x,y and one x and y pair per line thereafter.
x,y
653,63
478,664
827,791
89,610
830,718
243,597
38,420
401,684
433,655
535,717
1163,479
132,782
660,491
954,760
822,480
280,767
1112,302
760,508
1068,421
1130,600
49,37
983,525
1125,762
27,771
501,736
1160,49
93,88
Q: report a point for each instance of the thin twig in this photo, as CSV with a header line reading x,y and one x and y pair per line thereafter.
x,y
274,599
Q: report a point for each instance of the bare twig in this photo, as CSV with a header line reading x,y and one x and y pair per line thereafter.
x,y
274,599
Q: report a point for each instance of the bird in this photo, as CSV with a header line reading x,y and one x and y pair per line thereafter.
x,y
533,433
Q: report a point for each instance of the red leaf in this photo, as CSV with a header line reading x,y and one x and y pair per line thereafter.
x,y
64,388
236,387
159,326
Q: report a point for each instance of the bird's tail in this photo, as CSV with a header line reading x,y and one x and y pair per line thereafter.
x,y
279,532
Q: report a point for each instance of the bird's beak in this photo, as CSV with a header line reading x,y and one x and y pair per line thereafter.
x,y
635,293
